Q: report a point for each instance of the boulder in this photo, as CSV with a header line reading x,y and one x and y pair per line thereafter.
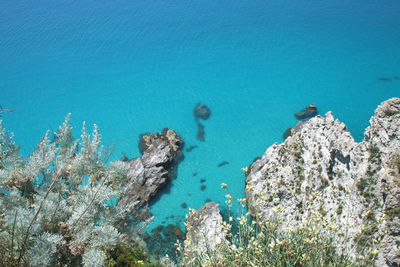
x,y
201,111
205,232
151,172
307,112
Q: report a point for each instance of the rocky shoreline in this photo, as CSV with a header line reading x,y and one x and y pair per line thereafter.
x,y
321,169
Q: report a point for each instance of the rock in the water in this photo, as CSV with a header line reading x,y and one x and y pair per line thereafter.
x,y
184,205
322,170
200,132
307,112
150,173
203,187
205,231
191,148
384,79
223,163
178,233
202,111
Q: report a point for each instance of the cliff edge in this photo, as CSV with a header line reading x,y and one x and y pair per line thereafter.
x,y
321,169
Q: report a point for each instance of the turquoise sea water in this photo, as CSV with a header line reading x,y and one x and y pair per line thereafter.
x,y
138,66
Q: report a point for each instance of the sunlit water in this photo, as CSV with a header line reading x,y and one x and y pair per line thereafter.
x,y
138,66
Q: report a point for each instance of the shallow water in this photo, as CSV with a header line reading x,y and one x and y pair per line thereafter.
x,y
139,66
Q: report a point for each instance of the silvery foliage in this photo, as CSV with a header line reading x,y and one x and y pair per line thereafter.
x,y
55,206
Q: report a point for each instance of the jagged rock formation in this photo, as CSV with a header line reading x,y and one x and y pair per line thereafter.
x,y
356,185
152,171
205,231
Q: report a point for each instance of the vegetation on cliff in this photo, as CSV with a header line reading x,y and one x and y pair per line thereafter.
x,y
60,207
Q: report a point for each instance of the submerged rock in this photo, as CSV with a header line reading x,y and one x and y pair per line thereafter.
x,y
223,163
150,173
189,149
384,79
320,169
163,240
201,111
200,132
307,112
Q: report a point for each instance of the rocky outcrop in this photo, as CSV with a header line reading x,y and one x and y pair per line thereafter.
x,y
205,232
321,169
151,172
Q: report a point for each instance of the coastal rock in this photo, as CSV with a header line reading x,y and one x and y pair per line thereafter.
x,y
151,172
295,129
321,169
205,232
307,112
201,111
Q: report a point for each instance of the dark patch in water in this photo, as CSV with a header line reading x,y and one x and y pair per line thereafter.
x,y
207,200
194,174
184,205
189,194
202,180
163,222
201,111
203,187
201,134
191,148
223,163
384,79
162,240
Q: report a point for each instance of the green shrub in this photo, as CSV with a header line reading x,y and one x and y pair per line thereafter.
x,y
55,206
128,256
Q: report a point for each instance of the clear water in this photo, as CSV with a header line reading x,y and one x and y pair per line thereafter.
x,y
139,66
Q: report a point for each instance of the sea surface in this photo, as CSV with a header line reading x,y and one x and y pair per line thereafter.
x,y
135,67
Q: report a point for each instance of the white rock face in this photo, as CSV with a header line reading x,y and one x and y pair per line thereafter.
x,y
355,185
205,232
